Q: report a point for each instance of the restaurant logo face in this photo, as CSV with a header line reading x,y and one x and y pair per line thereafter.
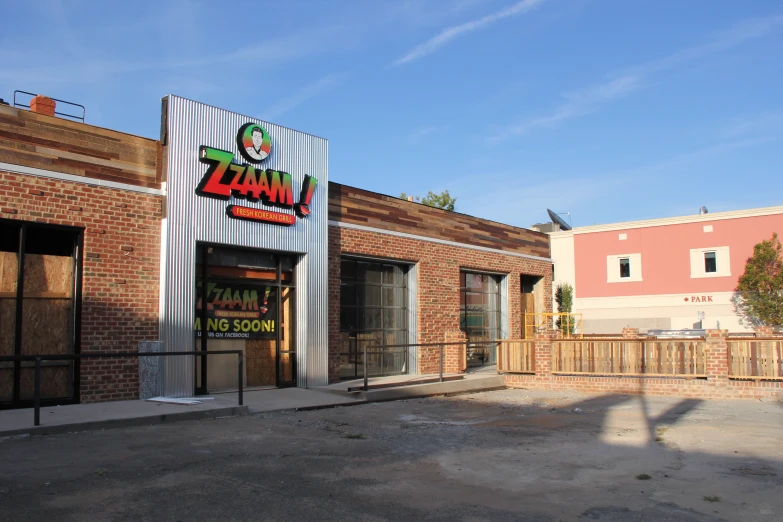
x,y
226,179
254,142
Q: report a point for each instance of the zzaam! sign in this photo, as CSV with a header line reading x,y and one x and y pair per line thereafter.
x,y
226,178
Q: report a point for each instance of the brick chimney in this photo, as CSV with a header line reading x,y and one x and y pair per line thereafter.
x,y
42,105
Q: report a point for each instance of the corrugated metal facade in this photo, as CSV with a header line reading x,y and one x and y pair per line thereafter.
x,y
413,318
191,218
504,308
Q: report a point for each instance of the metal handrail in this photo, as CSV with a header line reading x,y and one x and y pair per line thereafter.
x,y
75,117
440,358
354,354
110,355
452,343
626,339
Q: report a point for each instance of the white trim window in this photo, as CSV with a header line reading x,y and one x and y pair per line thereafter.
x,y
624,268
710,262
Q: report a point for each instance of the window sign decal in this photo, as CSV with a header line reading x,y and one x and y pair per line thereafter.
x,y
226,179
237,311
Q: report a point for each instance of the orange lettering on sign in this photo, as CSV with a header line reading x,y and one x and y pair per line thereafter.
x,y
254,214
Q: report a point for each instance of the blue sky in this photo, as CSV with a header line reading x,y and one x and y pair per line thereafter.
x,y
612,110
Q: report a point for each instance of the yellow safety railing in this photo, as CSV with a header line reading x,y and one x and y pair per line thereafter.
x,y
570,324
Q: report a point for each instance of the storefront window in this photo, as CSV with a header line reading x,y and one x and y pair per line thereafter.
x,y
373,309
480,314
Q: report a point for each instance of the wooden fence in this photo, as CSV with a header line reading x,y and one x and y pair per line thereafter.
x,y
516,356
644,357
755,358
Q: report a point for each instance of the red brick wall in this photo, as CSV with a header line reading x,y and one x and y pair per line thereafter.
x,y
717,385
438,287
121,269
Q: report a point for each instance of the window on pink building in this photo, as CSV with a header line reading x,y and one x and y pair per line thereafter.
x,y
710,262
625,267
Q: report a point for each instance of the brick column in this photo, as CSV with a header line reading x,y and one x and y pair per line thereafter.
x,y
765,331
43,105
543,353
716,353
455,357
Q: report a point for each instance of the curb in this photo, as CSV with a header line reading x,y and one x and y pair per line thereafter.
x,y
419,395
230,411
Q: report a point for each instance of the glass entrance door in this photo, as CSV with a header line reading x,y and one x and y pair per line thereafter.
x,y
249,306
480,315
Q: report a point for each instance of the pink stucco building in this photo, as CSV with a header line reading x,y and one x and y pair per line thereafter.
x,y
669,273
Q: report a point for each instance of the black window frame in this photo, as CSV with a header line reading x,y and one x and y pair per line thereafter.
x,y
350,281
76,310
627,265
204,251
714,260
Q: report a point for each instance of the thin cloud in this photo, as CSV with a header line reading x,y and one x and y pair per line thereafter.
x,y
95,68
420,134
769,121
578,193
302,95
590,99
578,104
452,33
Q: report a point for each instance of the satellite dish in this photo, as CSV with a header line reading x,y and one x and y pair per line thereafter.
x,y
557,219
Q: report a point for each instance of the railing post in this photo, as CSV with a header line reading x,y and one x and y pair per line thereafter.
x,y
364,367
37,393
441,362
240,374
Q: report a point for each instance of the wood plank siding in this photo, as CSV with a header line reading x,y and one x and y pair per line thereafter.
x,y
50,143
360,207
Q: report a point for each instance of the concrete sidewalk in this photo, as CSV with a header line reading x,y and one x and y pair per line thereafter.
x,y
117,414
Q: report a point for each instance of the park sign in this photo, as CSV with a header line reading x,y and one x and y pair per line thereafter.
x,y
226,179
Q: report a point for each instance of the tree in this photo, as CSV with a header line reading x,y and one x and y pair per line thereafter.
x,y
758,298
442,200
564,297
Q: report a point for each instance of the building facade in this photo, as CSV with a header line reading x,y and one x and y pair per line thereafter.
x,y
673,273
80,210
226,234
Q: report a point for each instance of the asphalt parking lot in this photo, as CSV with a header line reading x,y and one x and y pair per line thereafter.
x,y
503,455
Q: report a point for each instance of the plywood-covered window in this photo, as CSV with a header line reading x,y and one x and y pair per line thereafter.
x,y
39,281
